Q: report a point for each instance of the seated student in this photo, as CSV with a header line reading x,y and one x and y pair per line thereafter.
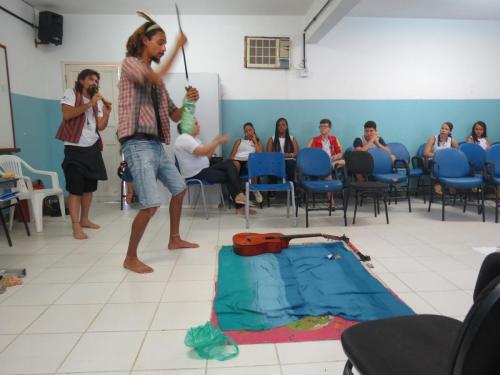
x,y
244,147
329,143
440,141
478,135
370,139
283,142
193,160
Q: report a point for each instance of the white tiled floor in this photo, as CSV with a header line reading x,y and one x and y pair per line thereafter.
x,y
81,312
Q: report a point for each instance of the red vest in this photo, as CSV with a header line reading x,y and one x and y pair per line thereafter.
x,y
71,130
335,147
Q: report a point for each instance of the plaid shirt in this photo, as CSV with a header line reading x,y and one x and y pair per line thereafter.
x,y
136,112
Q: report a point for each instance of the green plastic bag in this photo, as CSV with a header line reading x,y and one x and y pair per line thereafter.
x,y
210,343
187,119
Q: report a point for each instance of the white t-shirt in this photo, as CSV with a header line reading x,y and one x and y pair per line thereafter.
x,y
282,142
89,135
245,148
189,164
325,145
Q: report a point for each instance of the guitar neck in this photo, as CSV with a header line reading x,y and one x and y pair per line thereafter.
x,y
327,236
292,236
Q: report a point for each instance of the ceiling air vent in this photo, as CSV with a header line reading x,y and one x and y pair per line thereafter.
x,y
267,53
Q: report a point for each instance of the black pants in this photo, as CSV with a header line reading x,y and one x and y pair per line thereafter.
x,y
223,172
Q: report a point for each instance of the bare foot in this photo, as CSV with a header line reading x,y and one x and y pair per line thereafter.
x,y
135,265
241,211
78,233
89,224
178,243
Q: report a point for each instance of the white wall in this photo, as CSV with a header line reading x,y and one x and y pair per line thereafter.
x,y
361,58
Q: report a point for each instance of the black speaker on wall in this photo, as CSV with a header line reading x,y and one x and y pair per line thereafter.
x,y
50,27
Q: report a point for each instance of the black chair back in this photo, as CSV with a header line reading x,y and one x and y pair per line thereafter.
x,y
360,162
478,345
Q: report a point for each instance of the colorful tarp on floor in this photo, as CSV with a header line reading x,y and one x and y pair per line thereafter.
x,y
272,290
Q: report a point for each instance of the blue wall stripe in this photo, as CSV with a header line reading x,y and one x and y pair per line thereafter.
x,y
408,121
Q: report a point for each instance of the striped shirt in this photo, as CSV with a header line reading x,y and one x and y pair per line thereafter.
x,y
136,113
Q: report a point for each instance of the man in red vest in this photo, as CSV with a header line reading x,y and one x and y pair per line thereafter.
x,y
85,113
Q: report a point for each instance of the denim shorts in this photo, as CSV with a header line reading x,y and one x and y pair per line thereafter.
x,y
148,161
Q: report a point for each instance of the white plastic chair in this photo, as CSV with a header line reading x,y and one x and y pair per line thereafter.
x,y
11,163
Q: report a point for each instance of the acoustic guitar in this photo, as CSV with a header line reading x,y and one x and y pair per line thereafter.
x,y
251,244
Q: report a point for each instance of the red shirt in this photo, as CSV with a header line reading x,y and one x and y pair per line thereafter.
x,y
335,147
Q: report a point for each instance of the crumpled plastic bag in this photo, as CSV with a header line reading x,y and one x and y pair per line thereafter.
x,y
210,343
187,119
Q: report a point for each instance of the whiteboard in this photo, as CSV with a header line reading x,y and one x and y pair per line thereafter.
x,y
7,139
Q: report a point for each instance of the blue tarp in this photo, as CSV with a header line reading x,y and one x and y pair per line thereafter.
x,y
270,290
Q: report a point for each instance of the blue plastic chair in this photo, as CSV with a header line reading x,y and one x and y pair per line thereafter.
x,y
416,167
384,170
313,166
451,169
201,184
268,164
475,155
493,173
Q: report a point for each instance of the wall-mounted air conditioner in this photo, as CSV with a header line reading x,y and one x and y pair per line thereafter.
x,y
268,53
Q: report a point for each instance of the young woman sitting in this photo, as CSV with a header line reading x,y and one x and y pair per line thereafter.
x,y
438,142
244,147
478,135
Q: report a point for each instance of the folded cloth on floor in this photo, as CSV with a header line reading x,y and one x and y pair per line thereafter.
x,y
270,290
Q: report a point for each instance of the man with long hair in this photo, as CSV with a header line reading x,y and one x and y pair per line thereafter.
x,y
144,110
85,113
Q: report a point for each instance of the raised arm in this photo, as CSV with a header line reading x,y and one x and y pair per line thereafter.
x,y
208,150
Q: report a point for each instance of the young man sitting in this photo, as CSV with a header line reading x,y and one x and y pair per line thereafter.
x,y
329,143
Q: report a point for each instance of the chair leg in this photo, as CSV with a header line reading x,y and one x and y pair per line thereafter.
x,y
293,206
307,209
247,205
222,197
122,183
4,225
202,191
375,204
37,208
24,219
344,206
496,204
431,197
482,203
355,208
442,204
408,196
12,210
62,206
288,204
386,211
330,199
